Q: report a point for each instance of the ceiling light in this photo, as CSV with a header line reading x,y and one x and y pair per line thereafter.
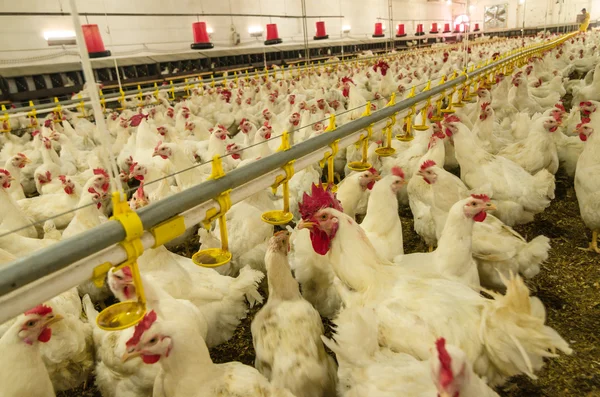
x,y
209,30
346,29
255,31
59,37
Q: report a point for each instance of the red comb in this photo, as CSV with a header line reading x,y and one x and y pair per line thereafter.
x,y
398,171
485,105
140,328
5,172
426,164
35,133
452,119
48,176
483,197
439,134
446,375
373,171
62,178
560,106
318,199
101,171
127,269
40,310
158,144
132,166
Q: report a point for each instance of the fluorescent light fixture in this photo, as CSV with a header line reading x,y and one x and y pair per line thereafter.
x,y
255,31
59,37
346,29
383,27
449,2
209,30
59,34
471,8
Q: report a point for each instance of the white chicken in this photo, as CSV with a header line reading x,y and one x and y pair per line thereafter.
x,y
286,332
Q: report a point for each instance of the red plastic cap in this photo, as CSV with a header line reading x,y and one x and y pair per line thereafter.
x,y
378,28
321,29
400,29
93,39
200,33
272,33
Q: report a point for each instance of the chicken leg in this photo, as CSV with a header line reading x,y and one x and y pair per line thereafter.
x,y
594,244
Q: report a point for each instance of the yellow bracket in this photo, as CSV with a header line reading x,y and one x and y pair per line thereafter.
x,y
187,88
217,168
5,120
247,78
102,100
212,80
156,91
58,109
122,99
172,90
331,125
33,113
132,224
289,173
140,95
330,155
80,105
285,142
168,230
224,201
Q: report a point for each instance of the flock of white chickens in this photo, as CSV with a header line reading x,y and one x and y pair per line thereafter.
x,y
405,325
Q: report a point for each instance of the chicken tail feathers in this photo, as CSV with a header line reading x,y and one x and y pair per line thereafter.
x,y
516,340
532,255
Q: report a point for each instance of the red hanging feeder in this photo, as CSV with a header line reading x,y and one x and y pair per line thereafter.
x,y
476,28
201,39
272,34
93,41
447,28
419,30
378,30
457,28
321,33
434,28
400,32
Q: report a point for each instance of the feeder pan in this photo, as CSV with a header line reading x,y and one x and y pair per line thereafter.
x,y
458,105
448,110
201,39
121,316
359,166
419,30
211,257
435,119
334,187
277,217
272,35
321,34
447,28
434,28
93,41
385,151
400,32
378,30
405,138
423,127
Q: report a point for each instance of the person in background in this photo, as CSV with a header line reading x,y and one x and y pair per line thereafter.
x,y
586,20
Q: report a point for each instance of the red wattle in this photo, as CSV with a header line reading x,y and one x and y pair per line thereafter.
x,y
448,132
583,137
268,136
480,217
150,358
320,241
45,335
370,185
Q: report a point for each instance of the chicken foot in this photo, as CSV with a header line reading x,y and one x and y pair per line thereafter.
x,y
594,244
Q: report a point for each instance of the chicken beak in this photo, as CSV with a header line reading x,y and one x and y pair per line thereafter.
x,y
490,207
306,225
130,355
444,394
53,320
11,178
377,177
155,154
26,161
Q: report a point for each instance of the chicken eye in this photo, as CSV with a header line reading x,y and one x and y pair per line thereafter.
x,y
31,323
118,277
153,340
323,217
